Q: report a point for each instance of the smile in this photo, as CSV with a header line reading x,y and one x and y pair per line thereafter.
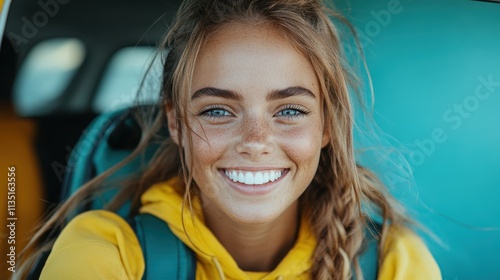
x,y
254,178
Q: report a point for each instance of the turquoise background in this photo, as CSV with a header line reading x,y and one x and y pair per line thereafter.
x,y
428,59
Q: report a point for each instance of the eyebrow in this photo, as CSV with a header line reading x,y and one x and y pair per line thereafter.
x,y
289,92
273,95
216,92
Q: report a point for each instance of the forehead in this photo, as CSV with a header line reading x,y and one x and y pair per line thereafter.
x,y
251,30
250,38
239,54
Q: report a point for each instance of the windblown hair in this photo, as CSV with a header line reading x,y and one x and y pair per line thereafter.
x,y
337,198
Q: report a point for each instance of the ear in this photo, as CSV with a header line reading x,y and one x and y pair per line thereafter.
x,y
172,124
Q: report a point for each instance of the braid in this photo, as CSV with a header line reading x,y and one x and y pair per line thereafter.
x,y
335,221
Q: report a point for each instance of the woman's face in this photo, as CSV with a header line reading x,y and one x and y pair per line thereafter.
x,y
257,123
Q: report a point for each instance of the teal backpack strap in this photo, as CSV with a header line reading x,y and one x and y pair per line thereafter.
x,y
165,256
368,260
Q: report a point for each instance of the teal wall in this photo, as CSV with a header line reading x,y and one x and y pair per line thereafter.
x,y
435,66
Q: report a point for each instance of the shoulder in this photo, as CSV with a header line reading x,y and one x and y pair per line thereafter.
x,y
405,256
96,244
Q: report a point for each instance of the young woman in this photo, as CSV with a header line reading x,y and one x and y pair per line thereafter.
x,y
259,176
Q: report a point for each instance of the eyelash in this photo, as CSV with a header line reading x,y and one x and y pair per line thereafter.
x,y
206,112
299,112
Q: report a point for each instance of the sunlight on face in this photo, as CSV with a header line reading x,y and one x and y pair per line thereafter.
x,y
257,122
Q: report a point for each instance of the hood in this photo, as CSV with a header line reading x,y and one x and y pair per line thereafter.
x,y
164,200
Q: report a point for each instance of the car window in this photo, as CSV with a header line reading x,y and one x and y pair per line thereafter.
x,y
45,73
121,83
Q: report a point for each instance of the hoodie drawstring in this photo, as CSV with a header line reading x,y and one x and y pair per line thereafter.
x,y
219,268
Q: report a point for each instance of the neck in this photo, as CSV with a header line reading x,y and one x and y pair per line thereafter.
x,y
256,247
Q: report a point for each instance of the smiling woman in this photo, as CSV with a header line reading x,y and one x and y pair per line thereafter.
x,y
257,109
258,177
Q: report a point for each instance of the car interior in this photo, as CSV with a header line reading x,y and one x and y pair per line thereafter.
x,y
436,79
59,60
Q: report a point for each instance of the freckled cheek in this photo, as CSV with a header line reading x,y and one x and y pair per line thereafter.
x,y
302,145
208,145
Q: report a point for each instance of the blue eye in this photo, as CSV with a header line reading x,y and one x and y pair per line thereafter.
x,y
291,112
215,112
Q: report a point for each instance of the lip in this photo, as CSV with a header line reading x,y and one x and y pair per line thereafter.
x,y
253,168
254,189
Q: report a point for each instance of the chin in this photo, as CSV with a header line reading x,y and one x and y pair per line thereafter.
x,y
254,218
256,214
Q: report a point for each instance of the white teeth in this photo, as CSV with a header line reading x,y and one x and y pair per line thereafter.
x,y
259,178
250,178
265,177
272,176
241,178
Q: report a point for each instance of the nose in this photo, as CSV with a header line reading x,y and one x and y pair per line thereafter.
x,y
256,138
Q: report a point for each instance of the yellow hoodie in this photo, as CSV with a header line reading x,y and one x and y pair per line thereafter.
x,y
101,245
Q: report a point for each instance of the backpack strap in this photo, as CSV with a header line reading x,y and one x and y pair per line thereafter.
x,y
165,256
368,260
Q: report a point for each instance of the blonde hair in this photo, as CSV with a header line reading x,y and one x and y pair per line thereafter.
x,y
341,188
